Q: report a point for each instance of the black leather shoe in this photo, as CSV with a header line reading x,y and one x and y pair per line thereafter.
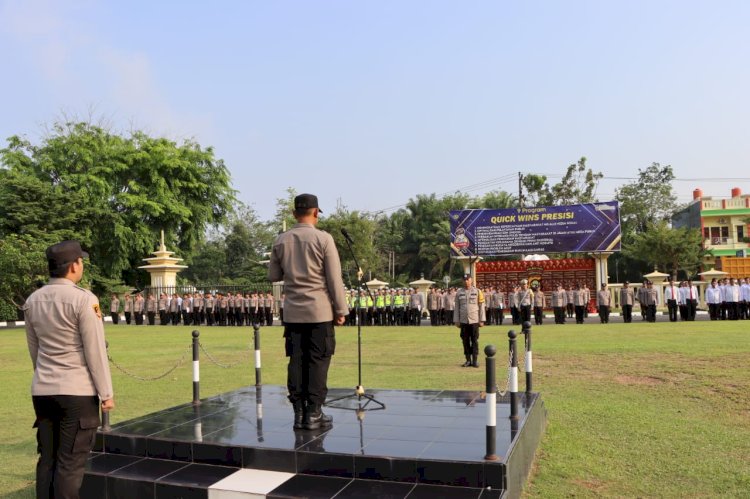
x,y
299,414
315,419
466,364
475,364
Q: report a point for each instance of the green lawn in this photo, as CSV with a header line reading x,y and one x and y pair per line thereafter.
x,y
634,410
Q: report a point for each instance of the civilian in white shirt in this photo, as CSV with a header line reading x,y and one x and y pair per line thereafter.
x,y
682,301
732,299
714,299
671,296
692,300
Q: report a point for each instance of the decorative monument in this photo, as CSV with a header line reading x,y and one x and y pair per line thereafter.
x,y
163,268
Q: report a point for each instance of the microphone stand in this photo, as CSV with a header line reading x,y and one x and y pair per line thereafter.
x,y
359,391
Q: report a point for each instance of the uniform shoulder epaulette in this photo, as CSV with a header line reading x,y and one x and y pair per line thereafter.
x,y
87,291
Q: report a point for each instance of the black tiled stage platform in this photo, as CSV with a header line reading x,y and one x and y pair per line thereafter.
x,y
241,444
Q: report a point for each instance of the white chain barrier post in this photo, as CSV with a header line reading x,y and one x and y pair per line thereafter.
x,y
513,388
256,337
196,369
527,358
491,402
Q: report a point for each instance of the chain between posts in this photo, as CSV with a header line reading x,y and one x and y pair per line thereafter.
x,y
216,362
507,380
154,378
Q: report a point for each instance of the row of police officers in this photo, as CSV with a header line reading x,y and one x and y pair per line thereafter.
x,y
222,309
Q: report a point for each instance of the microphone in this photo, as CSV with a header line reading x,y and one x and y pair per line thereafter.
x,y
346,235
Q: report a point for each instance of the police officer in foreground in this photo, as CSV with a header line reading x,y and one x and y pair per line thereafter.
x,y
469,316
306,259
65,336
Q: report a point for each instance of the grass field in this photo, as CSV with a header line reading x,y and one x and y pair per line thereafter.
x,y
634,410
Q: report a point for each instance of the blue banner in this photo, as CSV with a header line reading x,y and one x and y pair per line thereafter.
x,y
547,229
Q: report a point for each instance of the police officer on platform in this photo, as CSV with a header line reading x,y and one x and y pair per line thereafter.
x,y
307,260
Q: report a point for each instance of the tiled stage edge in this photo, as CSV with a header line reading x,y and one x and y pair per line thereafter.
x,y
423,444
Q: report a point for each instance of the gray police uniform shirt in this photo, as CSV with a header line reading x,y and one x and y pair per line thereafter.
x,y
307,260
603,298
65,336
626,296
469,306
559,298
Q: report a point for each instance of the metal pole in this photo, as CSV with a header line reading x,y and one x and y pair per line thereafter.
x,y
527,359
513,388
196,369
256,337
105,414
491,401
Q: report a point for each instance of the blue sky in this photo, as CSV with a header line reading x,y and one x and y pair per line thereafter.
x,y
372,103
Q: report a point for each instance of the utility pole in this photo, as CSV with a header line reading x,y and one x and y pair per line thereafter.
x,y
520,190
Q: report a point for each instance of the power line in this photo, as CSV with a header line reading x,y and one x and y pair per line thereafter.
x,y
512,177
469,188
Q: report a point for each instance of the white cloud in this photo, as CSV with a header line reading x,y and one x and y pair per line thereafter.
x,y
80,67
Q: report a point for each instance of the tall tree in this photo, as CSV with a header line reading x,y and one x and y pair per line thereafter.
x,y
362,228
577,186
119,190
647,200
671,250
494,200
284,219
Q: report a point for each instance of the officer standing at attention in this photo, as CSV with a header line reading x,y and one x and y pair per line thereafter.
x,y
307,260
114,309
525,300
151,307
540,303
65,336
604,303
163,309
559,300
626,302
128,308
469,316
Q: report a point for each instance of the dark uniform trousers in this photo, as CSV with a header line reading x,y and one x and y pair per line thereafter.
x,y
579,314
627,313
470,339
309,348
538,316
524,312
66,429
672,309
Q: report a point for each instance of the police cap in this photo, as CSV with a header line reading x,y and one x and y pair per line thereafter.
x,y
306,201
64,253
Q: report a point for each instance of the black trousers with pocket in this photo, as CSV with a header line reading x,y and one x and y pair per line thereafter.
x,y
309,348
66,428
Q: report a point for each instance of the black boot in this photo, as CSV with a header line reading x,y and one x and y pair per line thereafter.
x,y
299,414
314,418
474,362
468,362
